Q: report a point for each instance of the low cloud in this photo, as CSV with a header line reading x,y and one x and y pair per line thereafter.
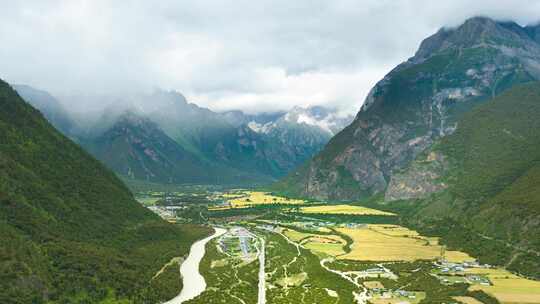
x,y
251,55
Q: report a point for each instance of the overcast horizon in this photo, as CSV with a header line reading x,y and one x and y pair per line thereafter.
x,y
255,56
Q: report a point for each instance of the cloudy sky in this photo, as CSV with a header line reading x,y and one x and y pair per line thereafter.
x,y
253,55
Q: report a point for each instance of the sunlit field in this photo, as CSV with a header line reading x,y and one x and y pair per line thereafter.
x,y
331,245
344,209
395,243
507,287
247,199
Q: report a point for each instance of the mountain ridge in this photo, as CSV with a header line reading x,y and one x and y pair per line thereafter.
x,y
223,148
416,103
484,177
70,230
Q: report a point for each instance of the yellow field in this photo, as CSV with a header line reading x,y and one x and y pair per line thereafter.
x,y
395,243
507,287
343,209
253,198
467,300
246,199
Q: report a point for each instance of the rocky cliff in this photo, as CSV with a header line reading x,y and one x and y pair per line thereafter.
x,y
417,103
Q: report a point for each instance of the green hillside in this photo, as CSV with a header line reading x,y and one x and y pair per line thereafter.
x,y
497,167
415,105
492,177
70,231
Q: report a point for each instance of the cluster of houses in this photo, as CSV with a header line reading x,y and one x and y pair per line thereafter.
x,y
383,293
240,235
459,270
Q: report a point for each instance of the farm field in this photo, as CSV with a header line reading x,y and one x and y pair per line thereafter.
x,y
247,199
395,243
328,244
333,254
343,209
252,198
467,300
507,287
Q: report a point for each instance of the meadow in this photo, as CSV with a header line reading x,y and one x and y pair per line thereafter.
x,y
326,244
343,209
252,198
395,243
507,287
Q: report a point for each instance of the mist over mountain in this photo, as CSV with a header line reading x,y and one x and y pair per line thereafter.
x,y
68,223
161,137
329,152
420,101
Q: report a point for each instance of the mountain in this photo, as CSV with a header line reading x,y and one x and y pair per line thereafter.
x,y
288,139
51,108
485,177
317,118
417,103
163,138
137,148
269,144
70,231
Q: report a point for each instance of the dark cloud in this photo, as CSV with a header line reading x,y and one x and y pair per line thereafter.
x,y
255,55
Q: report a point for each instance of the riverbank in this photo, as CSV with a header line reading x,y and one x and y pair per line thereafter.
x,y
193,282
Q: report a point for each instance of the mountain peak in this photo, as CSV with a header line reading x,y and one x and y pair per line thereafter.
x,y
478,31
133,118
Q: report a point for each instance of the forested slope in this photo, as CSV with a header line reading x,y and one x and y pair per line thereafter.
x,y
70,231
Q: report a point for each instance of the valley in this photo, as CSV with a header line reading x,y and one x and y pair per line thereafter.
x,y
306,255
260,185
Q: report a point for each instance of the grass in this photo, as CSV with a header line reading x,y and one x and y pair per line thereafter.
x,y
507,287
147,201
467,300
306,280
293,280
295,236
373,284
394,243
418,297
326,248
326,244
70,230
228,278
343,209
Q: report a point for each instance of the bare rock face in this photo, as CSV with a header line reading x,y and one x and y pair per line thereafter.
x,y
414,105
421,179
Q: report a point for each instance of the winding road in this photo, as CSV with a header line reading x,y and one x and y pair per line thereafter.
x,y
361,297
262,274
